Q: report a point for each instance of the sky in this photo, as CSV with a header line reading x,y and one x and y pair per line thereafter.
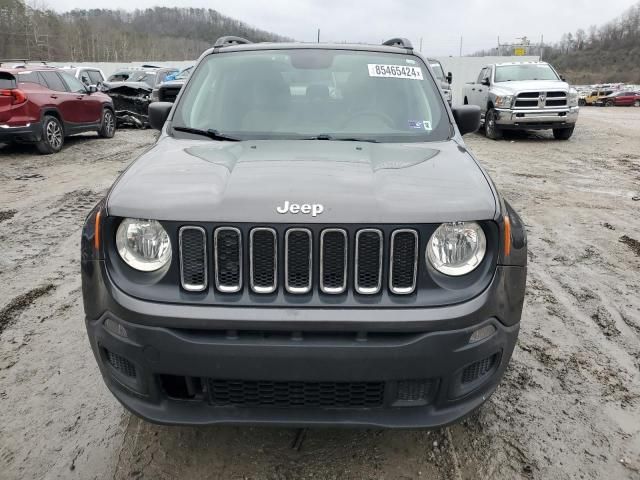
x,y
439,23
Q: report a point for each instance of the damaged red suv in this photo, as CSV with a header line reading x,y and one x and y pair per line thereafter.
x,y
43,105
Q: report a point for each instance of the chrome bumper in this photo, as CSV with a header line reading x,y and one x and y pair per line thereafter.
x,y
543,118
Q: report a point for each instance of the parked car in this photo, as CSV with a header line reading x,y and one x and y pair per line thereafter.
x,y
287,256
89,76
43,105
593,97
171,86
131,91
523,96
445,81
620,99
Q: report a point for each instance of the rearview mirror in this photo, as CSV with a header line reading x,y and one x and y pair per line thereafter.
x,y
91,89
467,118
158,114
449,78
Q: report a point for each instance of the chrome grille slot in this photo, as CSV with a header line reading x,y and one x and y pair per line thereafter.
x,y
368,264
193,258
227,245
333,261
297,263
541,100
263,260
403,266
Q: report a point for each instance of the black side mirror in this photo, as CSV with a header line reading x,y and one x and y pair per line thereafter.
x,y
449,78
158,114
486,82
467,118
91,89
562,78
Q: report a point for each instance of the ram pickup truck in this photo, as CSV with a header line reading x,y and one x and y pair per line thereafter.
x,y
523,96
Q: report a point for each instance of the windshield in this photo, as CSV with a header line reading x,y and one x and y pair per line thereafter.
x,y
514,73
306,93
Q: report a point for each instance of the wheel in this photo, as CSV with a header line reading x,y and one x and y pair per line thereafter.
x,y
636,103
52,136
582,102
491,130
108,127
608,103
563,133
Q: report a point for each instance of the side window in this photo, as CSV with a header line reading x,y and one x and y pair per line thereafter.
x,y
481,76
53,81
95,77
73,83
84,78
487,74
29,77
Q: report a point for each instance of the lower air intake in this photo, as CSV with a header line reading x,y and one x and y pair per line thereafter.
x,y
479,369
244,393
121,364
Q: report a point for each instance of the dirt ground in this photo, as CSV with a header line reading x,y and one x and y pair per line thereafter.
x,y
569,406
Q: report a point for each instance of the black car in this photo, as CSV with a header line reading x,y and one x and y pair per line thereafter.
x,y
309,242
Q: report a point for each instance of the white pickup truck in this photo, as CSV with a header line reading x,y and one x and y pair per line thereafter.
x,y
523,96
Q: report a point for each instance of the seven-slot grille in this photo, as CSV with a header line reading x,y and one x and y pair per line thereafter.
x,y
372,256
551,99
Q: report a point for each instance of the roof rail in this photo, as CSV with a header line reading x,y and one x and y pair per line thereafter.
x,y
399,42
230,40
24,61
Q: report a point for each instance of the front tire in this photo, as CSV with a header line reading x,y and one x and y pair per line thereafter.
x,y
52,136
563,133
491,129
108,127
636,103
608,104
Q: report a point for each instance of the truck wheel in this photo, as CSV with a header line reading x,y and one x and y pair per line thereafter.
x,y
563,133
108,127
582,102
52,136
491,130
608,103
636,103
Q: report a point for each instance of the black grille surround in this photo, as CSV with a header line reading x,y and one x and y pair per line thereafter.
x,y
431,288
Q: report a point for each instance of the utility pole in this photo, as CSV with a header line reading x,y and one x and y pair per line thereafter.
x,y
421,44
460,45
318,35
541,46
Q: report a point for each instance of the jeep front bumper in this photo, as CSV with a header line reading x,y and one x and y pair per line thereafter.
x,y
400,367
537,118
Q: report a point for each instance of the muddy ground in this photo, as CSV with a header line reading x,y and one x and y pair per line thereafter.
x,y
569,406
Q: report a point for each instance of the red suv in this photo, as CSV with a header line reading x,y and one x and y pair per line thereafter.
x,y
43,105
623,98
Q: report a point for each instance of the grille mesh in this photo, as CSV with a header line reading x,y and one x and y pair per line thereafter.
x,y
228,259
121,364
263,260
368,261
334,261
403,261
296,394
478,369
298,262
193,258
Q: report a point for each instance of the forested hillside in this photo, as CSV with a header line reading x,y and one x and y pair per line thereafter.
x,y
102,35
610,53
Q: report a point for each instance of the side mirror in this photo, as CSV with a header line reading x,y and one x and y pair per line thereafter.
x,y
467,118
158,114
486,82
91,89
562,78
449,78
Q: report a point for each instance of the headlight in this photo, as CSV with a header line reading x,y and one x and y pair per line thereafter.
x,y
457,248
504,101
573,97
143,244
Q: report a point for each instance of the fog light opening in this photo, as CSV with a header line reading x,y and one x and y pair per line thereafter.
x,y
116,328
482,333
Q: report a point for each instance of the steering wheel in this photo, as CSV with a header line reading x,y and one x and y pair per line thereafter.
x,y
370,113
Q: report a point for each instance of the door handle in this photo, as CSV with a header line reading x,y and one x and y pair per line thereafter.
x,y
473,89
479,89
54,96
80,97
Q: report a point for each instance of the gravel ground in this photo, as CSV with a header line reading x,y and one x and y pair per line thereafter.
x,y
569,406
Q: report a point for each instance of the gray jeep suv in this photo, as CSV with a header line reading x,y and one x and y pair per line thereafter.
x,y
308,242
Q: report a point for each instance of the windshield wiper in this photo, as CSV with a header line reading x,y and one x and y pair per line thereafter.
x,y
211,133
326,136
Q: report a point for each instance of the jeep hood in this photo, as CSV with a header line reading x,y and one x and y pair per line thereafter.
x,y
510,88
194,180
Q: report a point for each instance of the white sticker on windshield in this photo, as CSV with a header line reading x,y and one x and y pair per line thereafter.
x,y
395,71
